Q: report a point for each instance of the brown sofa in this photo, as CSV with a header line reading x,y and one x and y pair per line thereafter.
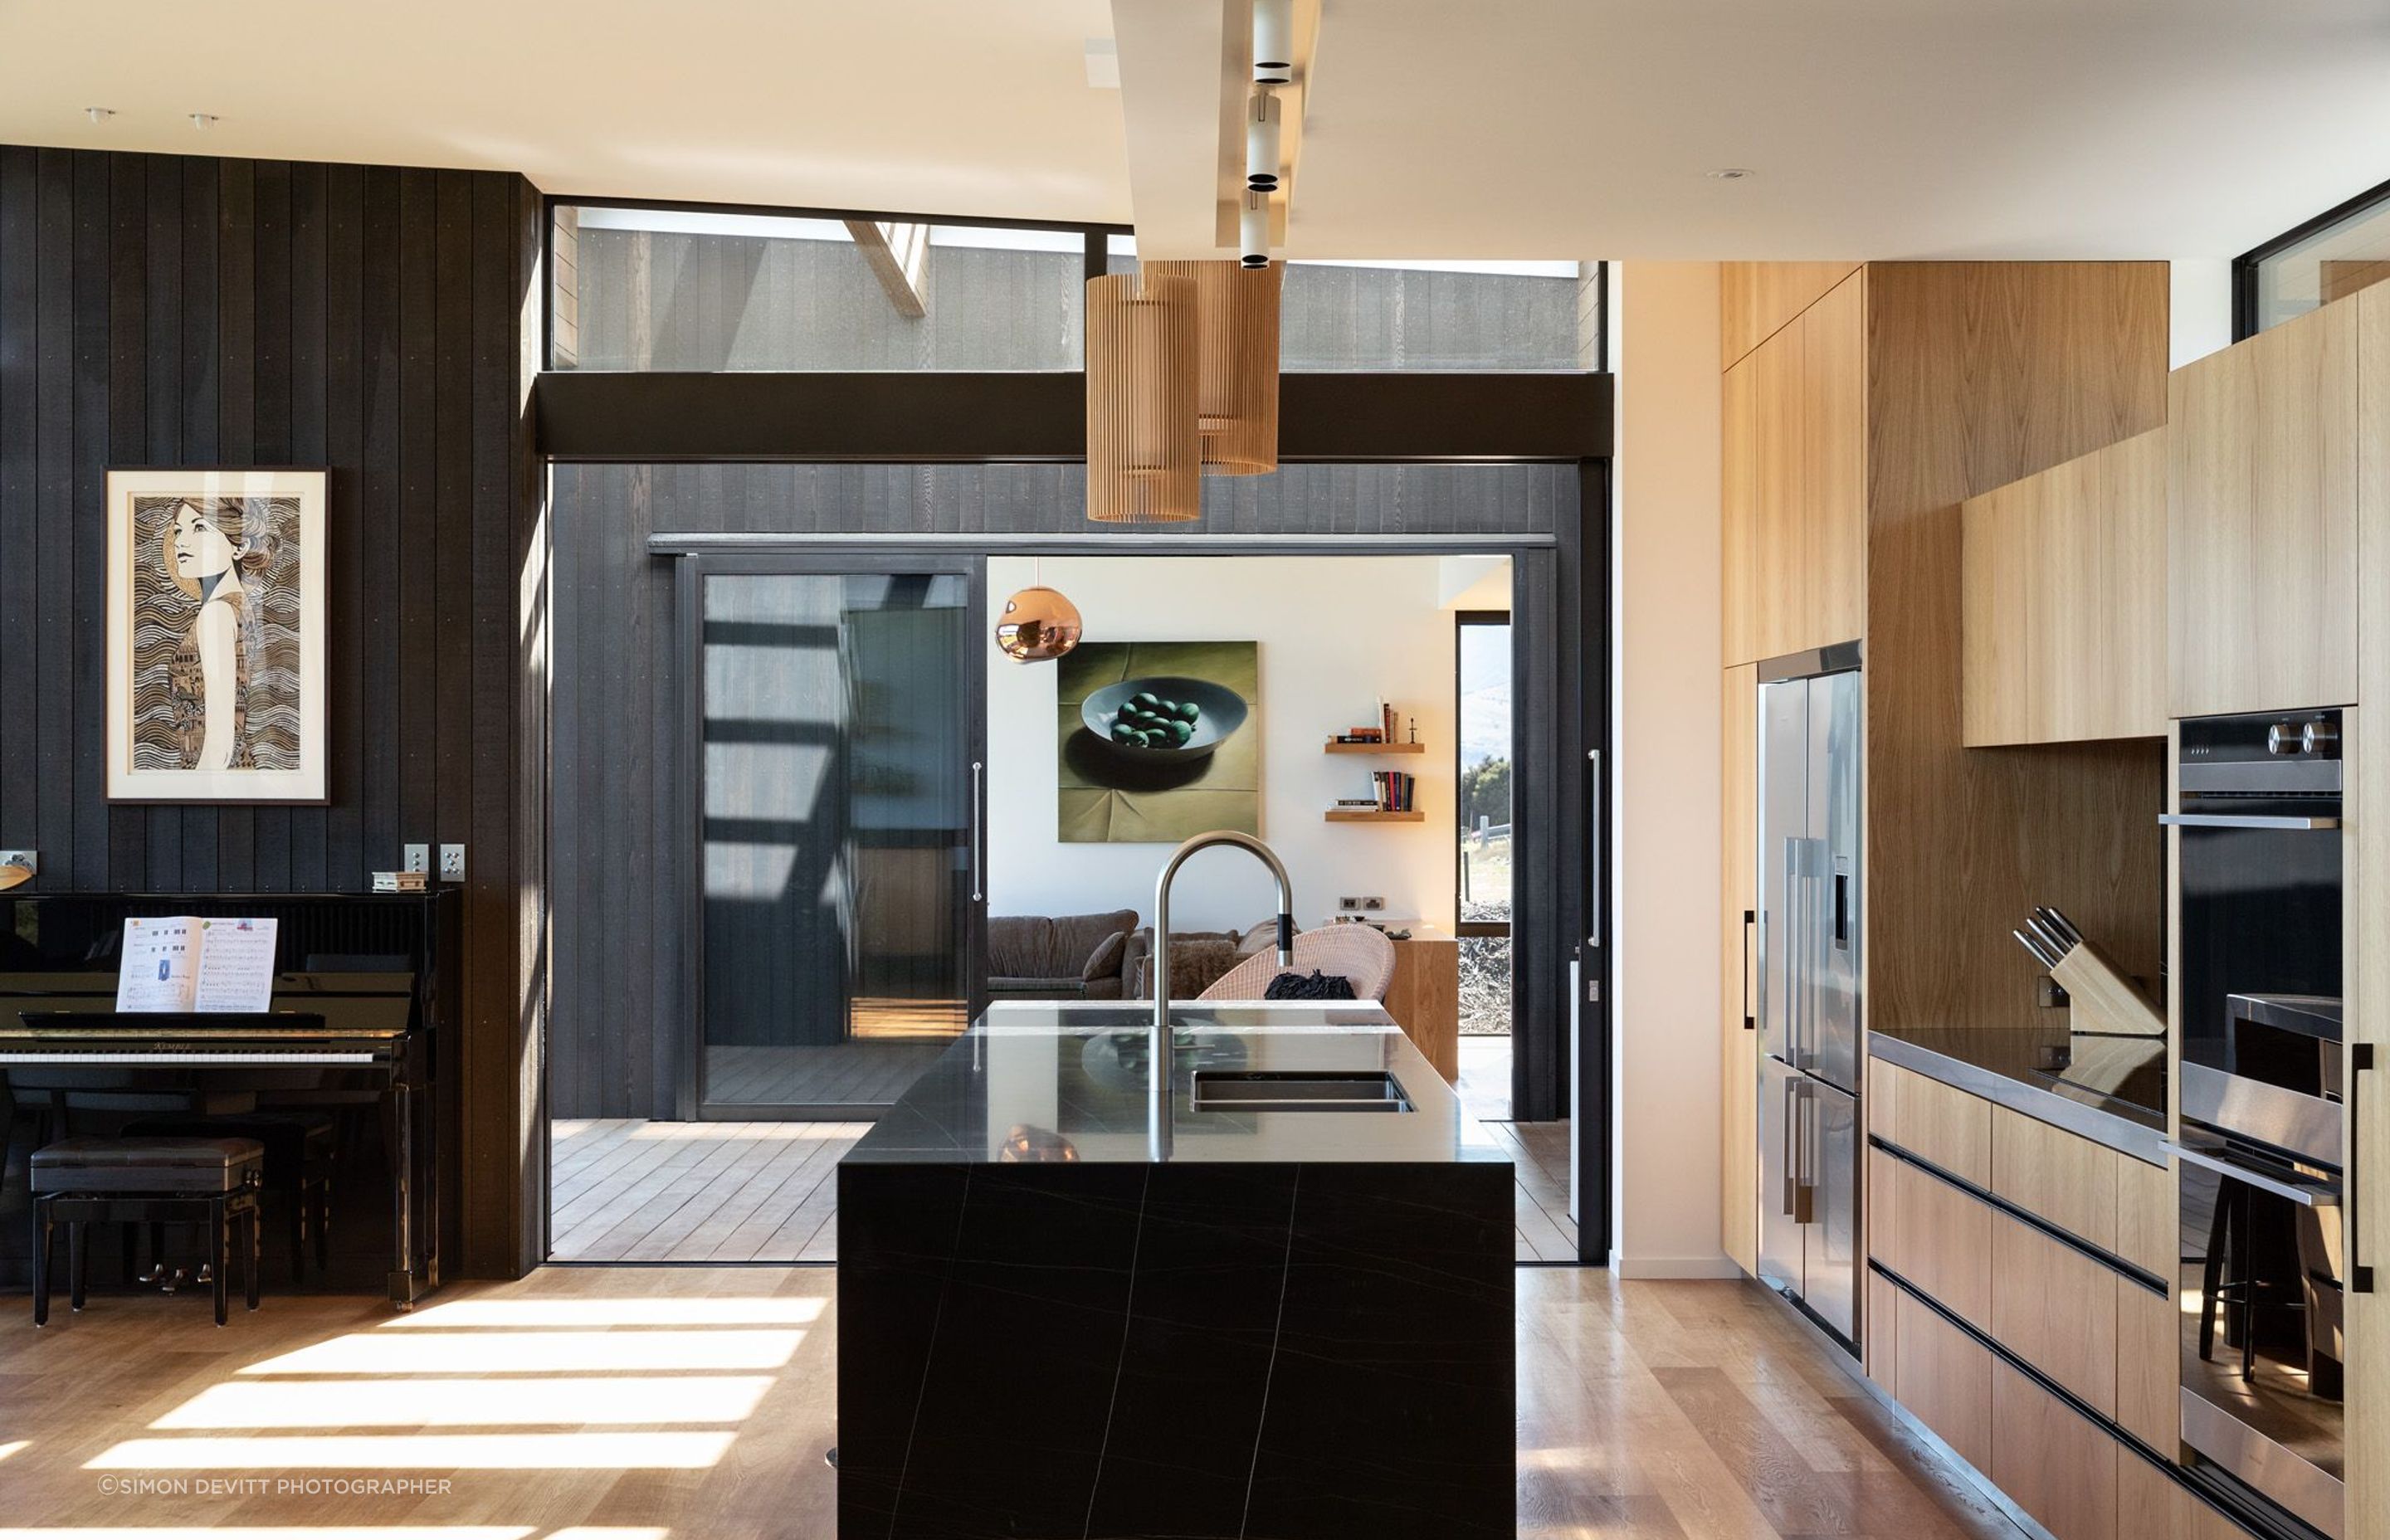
x,y
1057,957
1197,958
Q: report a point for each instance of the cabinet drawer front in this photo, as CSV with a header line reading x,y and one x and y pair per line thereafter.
x,y
2060,1176
2149,1230
1933,1122
2149,1365
1945,1242
2054,1465
2056,1309
1944,1376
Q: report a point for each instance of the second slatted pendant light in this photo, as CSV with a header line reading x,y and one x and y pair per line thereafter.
x,y
1237,318
1144,449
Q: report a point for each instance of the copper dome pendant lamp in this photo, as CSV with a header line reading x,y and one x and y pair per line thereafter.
x,y
1038,625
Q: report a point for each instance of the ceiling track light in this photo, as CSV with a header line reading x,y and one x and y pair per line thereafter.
x,y
1273,42
1253,229
1262,120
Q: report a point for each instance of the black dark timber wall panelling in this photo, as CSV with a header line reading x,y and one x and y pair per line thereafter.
x,y
619,853
185,310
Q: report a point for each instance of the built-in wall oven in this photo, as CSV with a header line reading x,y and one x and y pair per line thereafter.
x,y
2265,1257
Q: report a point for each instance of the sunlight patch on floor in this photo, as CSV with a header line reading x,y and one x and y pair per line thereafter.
x,y
798,1310
537,1352
644,1451
637,1401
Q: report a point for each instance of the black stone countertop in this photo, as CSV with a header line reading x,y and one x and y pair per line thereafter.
x,y
2110,1089
1046,1081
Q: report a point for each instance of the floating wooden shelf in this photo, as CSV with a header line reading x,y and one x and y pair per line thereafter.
x,y
1364,815
1335,748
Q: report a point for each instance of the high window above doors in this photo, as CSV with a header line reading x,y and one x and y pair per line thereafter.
x,y
637,288
2329,257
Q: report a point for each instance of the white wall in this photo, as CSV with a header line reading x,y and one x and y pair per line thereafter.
x,y
1334,632
2198,302
1665,785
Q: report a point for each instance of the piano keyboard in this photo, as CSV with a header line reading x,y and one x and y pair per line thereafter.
x,y
152,1056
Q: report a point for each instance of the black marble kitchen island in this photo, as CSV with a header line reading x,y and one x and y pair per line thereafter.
x,y
1290,1324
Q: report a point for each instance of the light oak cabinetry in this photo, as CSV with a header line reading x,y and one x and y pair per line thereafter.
x,y
2056,1309
2058,1467
1738,1026
1944,1381
2367,849
2261,526
2064,609
1756,299
1793,481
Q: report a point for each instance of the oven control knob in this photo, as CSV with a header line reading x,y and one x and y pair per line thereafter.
x,y
2283,738
2319,737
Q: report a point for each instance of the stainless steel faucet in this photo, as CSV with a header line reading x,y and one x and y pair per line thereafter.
x,y
1267,856
1157,1091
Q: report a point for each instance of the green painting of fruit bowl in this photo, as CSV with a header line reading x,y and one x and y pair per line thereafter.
x,y
1162,718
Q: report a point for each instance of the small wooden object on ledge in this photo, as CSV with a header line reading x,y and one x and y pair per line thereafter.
x,y
1336,747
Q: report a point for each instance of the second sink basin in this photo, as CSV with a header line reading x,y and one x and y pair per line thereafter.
x,y
1298,1091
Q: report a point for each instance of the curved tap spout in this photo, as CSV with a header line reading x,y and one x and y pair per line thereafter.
x,y
1267,858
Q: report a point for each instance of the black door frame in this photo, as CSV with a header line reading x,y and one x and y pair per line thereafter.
x,y
691,570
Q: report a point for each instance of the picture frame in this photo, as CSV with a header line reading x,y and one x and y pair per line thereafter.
x,y
216,635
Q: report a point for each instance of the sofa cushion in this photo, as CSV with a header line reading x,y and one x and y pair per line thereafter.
x,y
1044,946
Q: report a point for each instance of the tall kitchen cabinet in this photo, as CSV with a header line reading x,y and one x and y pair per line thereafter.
x,y
2366,852
1794,480
1851,432
1738,971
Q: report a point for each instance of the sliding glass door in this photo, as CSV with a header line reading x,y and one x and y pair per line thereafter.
x,y
834,709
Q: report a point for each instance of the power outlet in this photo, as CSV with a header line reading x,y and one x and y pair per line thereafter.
x,y
452,863
1374,903
419,859
1349,906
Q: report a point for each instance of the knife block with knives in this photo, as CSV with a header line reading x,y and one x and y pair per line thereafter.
x,y
2104,1000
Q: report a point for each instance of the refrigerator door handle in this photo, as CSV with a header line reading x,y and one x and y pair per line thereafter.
x,y
1789,951
1750,1007
1805,1192
1842,911
1791,1147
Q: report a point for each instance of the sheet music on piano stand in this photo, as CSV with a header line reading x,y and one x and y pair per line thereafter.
x,y
186,962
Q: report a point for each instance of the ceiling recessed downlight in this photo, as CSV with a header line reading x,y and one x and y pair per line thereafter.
x,y
1732,173
203,120
100,114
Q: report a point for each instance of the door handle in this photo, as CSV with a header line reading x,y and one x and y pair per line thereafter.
x,y
1803,1192
2243,820
1593,847
1791,1148
2360,1276
1788,951
1842,911
1750,1007
978,827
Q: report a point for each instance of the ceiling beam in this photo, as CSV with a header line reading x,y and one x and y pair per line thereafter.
x,y
898,256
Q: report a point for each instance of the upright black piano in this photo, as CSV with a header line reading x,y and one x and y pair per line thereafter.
x,y
364,1020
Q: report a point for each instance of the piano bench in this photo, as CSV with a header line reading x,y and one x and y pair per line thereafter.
x,y
300,1149
156,1181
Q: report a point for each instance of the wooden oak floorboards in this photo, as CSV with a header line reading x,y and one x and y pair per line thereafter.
x,y
1648,1410
626,1189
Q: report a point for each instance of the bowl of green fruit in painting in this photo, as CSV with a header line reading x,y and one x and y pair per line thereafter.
x,y
1162,719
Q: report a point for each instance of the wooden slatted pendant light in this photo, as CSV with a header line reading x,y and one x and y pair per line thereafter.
x,y
1144,452
1235,308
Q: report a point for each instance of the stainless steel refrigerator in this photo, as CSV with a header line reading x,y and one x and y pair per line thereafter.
x,y
1809,912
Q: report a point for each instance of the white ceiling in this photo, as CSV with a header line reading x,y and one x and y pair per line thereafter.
x,y
1437,128
1876,128
959,107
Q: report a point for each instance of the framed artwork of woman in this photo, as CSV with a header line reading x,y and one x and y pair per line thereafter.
x,y
215,636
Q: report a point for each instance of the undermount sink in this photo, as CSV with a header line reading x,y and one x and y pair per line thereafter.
x,y
1298,1091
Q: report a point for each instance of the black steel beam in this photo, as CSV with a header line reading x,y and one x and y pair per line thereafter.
x,y
959,417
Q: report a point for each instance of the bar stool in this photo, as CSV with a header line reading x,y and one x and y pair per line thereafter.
x,y
153,1181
